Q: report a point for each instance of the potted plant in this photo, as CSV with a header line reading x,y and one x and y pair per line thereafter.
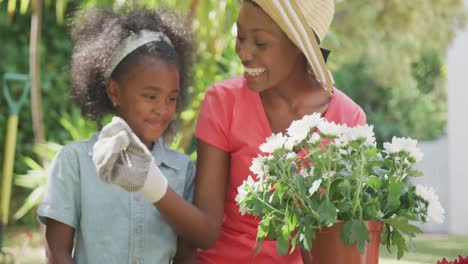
x,y
322,178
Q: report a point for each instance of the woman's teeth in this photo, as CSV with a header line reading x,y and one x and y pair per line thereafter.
x,y
254,71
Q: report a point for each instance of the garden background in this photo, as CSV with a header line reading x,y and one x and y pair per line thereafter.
x,y
388,55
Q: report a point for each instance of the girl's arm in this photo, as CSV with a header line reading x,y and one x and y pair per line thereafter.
x,y
59,242
186,254
200,225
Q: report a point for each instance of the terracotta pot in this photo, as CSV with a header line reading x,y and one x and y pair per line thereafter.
x,y
328,247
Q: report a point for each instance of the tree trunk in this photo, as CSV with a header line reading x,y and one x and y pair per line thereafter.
x,y
34,71
193,8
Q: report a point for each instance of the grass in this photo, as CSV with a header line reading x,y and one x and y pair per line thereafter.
x,y
428,249
27,245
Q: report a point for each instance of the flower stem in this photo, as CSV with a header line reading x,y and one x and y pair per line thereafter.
x,y
357,198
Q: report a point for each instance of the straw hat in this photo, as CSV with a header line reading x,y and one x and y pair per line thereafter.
x,y
318,14
299,19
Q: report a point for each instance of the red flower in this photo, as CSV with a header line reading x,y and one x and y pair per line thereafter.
x,y
322,192
443,261
460,260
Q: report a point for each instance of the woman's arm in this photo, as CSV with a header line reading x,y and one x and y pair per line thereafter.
x,y
306,257
59,242
200,225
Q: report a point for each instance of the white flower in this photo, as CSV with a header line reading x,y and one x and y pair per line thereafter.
x,y
404,144
406,161
301,237
331,128
303,172
315,186
258,166
291,155
242,194
314,138
312,170
344,152
342,140
328,174
289,143
273,142
434,210
361,132
299,129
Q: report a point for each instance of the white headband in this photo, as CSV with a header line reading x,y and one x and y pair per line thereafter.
x,y
131,43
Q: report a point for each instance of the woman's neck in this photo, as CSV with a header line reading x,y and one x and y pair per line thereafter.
x,y
284,104
295,90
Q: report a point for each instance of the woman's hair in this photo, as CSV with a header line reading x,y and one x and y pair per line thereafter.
x,y
97,33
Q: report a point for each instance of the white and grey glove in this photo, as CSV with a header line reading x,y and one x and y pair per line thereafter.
x,y
130,164
112,140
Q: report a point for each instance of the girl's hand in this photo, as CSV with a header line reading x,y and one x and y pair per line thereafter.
x,y
122,159
112,140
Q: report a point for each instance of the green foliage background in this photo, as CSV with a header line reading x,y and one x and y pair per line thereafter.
x,y
388,55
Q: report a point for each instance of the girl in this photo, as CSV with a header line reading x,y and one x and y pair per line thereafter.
x,y
285,78
136,67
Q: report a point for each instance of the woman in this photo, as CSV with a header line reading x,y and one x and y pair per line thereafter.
x,y
285,78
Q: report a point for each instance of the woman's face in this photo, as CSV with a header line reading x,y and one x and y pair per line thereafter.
x,y
270,59
146,97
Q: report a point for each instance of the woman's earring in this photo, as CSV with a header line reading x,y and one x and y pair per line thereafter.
x,y
115,105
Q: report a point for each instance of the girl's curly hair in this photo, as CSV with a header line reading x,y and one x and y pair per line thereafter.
x,y
96,34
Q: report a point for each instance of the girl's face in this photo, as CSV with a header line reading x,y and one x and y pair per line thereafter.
x,y
146,97
270,59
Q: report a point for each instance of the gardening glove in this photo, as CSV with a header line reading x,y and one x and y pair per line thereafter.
x,y
134,168
112,140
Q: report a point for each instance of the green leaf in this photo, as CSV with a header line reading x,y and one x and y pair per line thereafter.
x,y
344,188
374,182
379,171
294,243
263,228
345,231
327,212
345,209
292,222
32,200
282,245
285,230
415,173
11,6
309,236
355,231
370,211
394,192
403,226
399,241
372,152
32,164
24,6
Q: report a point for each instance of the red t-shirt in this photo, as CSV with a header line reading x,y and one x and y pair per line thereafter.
x,y
232,119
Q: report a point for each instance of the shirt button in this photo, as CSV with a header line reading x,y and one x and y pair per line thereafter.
x,y
138,229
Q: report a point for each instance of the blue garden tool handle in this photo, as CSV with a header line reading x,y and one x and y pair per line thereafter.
x,y
15,105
